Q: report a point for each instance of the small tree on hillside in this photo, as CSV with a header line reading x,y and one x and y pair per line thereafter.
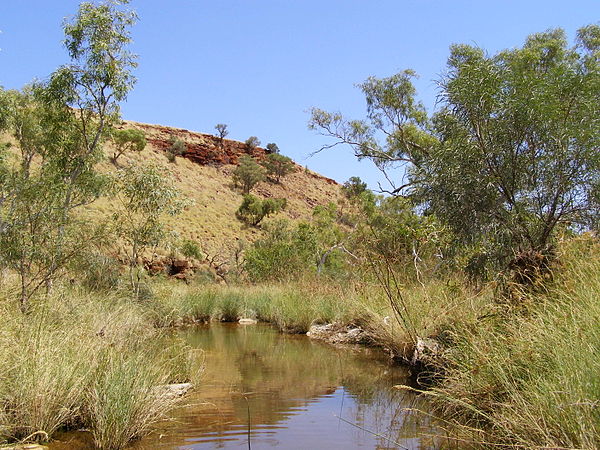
x,y
127,141
272,148
222,131
146,195
251,143
177,148
354,187
253,209
248,173
278,166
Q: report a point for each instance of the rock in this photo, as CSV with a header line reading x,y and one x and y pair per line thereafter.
x,y
426,351
247,321
179,266
171,391
338,334
156,267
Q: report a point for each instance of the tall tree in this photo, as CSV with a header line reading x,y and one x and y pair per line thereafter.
x,y
513,151
60,125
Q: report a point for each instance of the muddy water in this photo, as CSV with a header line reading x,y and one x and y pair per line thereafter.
x,y
263,389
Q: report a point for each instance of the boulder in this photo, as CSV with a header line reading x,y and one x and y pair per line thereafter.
x,y
247,321
338,334
172,391
179,266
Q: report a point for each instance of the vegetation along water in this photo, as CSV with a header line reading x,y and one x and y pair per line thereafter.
x,y
458,308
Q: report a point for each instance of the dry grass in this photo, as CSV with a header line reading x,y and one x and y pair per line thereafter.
x,y
211,220
84,360
530,379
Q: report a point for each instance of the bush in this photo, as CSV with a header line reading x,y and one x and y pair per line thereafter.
x,y
248,174
272,148
284,253
278,166
253,209
177,148
251,143
190,249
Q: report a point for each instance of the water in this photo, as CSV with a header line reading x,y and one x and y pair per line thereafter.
x,y
287,391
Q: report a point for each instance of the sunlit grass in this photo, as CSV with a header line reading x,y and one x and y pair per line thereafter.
x,y
531,379
84,360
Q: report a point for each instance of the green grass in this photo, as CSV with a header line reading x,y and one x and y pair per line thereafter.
x,y
512,376
84,360
292,307
531,378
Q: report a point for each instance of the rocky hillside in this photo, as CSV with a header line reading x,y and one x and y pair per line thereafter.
x,y
204,174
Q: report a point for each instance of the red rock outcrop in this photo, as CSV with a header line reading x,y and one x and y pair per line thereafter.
x,y
204,149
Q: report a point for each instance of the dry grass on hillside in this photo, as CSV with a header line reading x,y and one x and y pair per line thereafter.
x,y
211,220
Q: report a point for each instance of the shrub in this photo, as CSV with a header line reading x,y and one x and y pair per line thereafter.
x,y
177,148
284,253
251,143
248,174
278,166
190,249
253,209
272,148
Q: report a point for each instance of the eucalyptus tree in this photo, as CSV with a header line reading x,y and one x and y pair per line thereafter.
x,y
60,126
146,194
512,153
127,140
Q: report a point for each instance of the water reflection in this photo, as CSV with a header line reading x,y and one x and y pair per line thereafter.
x,y
289,392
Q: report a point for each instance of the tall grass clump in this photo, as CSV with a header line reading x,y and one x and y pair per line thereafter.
x,y
420,311
48,371
127,397
530,378
85,360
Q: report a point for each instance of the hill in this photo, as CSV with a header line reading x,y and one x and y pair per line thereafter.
x,y
204,174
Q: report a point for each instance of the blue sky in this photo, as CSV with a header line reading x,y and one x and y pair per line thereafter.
x,y
259,65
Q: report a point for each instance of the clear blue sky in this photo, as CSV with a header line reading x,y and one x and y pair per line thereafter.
x,y
259,65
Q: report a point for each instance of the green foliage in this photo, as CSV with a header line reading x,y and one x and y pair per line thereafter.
x,y
285,253
272,147
278,166
248,173
190,249
289,252
177,148
60,124
146,194
127,140
253,209
251,143
512,154
354,187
